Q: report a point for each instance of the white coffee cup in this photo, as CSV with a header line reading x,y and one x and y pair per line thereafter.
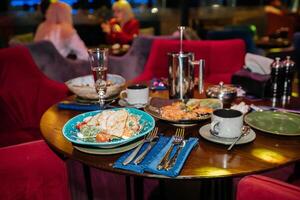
x,y
136,94
227,123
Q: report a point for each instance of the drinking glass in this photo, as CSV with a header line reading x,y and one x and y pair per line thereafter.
x,y
98,58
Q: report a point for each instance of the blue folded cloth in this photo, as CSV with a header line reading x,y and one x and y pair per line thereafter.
x,y
70,105
155,155
149,157
76,106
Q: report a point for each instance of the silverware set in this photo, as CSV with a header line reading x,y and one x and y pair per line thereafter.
x,y
151,138
166,162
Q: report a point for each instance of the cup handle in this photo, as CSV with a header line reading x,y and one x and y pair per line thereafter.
x,y
123,94
215,128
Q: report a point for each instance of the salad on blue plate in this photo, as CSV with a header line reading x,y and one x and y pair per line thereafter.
x,y
108,128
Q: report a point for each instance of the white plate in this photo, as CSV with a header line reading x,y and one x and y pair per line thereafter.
x,y
124,103
205,133
99,151
84,86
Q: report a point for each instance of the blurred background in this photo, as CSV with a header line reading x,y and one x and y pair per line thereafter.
x,y
162,16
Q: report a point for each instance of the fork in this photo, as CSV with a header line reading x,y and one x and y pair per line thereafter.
x,y
178,137
141,157
170,163
133,154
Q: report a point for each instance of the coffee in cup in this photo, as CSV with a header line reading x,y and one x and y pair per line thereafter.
x,y
136,94
227,123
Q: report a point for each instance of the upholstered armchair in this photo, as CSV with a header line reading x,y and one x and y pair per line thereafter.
x,y
54,65
132,63
222,58
25,94
243,34
256,187
32,171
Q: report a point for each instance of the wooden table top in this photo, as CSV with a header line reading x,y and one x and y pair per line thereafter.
x,y
207,160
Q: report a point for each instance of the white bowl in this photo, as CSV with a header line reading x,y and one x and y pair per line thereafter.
x,y
84,86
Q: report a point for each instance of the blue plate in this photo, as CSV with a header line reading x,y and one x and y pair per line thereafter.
x,y
70,131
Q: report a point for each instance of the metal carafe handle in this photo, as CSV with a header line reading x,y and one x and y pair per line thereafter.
x,y
201,64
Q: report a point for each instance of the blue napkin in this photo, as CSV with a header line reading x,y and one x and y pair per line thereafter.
x,y
155,155
175,170
76,106
149,157
69,105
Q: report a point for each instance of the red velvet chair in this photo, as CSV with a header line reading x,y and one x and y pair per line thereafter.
x,y
32,171
223,58
25,94
256,187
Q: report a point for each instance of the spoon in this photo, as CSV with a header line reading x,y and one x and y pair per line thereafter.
x,y
245,131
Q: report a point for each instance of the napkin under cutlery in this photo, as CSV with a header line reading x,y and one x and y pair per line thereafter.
x,y
154,156
71,105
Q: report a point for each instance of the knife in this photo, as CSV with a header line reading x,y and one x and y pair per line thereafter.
x,y
260,108
133,154
141,157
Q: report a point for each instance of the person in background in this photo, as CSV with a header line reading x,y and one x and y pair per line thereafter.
x,y
275,7
58,28
123,27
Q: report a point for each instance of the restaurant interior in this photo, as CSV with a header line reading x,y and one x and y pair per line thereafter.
x,y
194,73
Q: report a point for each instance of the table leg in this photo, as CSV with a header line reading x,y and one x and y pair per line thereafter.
x,y
128,187
88,181
218,189
296,174
138,185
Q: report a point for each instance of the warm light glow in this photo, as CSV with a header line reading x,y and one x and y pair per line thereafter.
x,y
215,5
154,10
212,171
269,156
53,1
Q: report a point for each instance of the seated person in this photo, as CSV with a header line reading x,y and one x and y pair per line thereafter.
x,y
123,27
274,7
58,28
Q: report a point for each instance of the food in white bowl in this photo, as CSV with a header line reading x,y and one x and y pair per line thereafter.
x,y
84,86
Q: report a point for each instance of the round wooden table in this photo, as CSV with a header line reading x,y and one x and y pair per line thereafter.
x,y
207,161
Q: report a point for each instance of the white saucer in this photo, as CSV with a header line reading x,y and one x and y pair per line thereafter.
x,y
204,131
124,103
108,151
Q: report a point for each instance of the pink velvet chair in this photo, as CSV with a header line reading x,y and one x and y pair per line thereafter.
x,y
25,94
256,187
32,171
223,58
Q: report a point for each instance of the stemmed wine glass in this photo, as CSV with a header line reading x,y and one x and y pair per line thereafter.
x,y
98,58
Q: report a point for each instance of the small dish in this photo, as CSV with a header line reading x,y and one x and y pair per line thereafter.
x,y
102,151
81,100
124,103
204,131
154,106
84,86
275,122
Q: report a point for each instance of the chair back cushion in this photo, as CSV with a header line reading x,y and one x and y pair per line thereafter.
x,y
32,171
222,58
25,92
132,63
264,188
54,65
243,34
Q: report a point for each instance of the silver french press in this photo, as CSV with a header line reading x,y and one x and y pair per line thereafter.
x,y
181,73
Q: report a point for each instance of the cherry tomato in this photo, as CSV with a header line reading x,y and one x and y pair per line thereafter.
x,y
78,126
101,138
